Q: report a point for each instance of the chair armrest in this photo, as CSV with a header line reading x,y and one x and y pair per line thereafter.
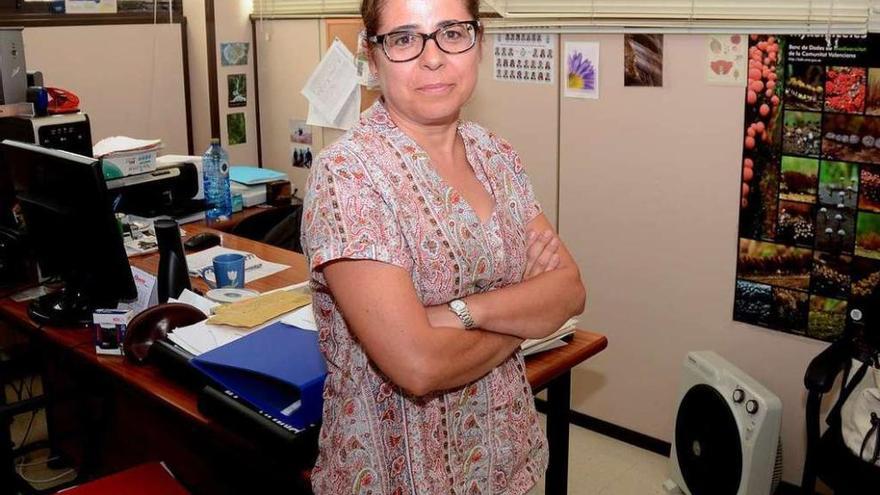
x,y
824,368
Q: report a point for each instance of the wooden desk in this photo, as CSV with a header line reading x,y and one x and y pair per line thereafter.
x,y
176,404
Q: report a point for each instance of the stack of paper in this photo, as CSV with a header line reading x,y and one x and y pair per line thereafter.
x,y
121,144
333,91
552,341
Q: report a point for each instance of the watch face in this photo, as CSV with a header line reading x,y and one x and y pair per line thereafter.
x,y
457,305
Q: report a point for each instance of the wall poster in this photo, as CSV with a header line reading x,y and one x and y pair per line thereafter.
x,y
809,227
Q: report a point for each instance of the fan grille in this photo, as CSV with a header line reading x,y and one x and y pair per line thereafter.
x,y
707,443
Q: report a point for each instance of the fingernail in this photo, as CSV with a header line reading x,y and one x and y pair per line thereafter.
x,y
531,235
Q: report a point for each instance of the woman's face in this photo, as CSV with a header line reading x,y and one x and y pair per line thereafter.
x,y
432,88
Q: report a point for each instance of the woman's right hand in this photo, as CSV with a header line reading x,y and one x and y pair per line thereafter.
x,y
541,255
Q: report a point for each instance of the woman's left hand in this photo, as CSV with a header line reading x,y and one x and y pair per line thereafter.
x,y
541,253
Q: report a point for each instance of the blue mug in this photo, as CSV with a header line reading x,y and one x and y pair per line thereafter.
x,y
229,270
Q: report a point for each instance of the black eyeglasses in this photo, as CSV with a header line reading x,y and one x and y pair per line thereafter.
x,y
403,46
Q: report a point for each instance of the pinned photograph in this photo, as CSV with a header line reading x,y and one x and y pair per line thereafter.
x,y
643,60
726,59
301,156
237,86
234,53
300,132
581,70
90,6
236,130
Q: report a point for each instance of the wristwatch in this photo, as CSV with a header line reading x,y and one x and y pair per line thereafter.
x,y
460,308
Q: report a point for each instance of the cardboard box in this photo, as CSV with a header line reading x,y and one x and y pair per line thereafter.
x,y
109,326
118,165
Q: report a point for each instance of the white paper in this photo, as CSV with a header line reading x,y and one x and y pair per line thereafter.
x,y
204,304
201,264
347,118
147,291
123,144
580,70
303,318
330,85
202,337
726,59
525,57
90,6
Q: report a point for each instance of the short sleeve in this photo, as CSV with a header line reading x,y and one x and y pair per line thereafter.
x,y
346,217
528,203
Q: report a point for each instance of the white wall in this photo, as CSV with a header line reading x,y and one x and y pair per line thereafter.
x,y
129,78
232,24
649,195
200,104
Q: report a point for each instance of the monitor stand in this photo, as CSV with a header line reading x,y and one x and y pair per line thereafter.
x,y
63,308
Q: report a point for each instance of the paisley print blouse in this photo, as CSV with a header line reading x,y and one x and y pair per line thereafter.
x,y
374,195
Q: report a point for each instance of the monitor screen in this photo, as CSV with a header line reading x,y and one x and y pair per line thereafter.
x,y
72,229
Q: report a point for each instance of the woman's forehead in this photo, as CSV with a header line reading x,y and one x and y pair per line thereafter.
x,y
425,15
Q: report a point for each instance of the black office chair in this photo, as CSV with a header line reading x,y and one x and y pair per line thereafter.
x,y
827,456
279,226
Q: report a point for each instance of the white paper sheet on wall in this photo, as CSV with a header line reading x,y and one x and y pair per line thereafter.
x,y
347,118
330,86
525,58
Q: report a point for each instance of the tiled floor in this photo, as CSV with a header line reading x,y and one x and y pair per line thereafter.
x,y
599,465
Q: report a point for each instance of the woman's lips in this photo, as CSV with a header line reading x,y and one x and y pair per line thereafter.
x,y
438,88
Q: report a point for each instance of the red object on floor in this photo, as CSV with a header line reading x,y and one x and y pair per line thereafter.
x,y
146,479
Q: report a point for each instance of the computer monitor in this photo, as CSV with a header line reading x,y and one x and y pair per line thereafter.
x,y
71,228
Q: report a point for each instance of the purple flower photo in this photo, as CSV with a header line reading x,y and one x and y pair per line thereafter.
x,y
582,70
581,73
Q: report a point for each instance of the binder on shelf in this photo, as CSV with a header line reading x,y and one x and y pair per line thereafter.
x,y
278,370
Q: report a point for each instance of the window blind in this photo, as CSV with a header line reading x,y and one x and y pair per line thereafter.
x,y
716,16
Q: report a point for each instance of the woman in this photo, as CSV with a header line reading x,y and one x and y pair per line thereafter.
x,y
431,262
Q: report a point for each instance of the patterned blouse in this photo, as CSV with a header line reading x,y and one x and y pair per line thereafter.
x,y
374,195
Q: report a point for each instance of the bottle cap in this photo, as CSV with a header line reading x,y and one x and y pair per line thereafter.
x,y
215,140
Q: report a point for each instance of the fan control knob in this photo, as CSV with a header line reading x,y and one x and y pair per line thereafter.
x,y
738,395
751,407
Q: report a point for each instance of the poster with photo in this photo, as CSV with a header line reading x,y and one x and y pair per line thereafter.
x,y
726,59
301,153
809,226
235,53
525,57
643,60
581,70
236,129
237,90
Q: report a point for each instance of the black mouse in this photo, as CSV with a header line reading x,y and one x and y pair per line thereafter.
x,y
202,240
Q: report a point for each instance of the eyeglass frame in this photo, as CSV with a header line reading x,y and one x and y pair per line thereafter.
x,y
379,39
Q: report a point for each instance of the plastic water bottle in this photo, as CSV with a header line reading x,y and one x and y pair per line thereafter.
x,y
215,168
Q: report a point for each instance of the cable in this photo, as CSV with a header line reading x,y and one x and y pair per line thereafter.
x,y
44,480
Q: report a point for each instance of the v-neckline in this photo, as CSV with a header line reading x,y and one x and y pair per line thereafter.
x,y
481,175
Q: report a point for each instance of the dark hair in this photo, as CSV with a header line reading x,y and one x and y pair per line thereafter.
x,y
371,10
